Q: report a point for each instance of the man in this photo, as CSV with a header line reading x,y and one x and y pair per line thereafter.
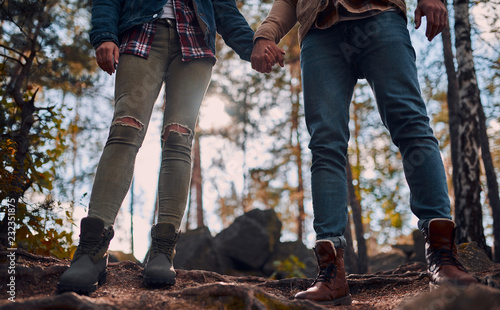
x,y
342,41
150,43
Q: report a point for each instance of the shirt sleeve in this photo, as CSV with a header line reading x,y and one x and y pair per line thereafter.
x,y
233,27
105,16
281,19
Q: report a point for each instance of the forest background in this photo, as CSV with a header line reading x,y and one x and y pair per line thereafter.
x,y
250,149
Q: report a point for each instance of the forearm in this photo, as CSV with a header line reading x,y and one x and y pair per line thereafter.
x,y
233,27
279,22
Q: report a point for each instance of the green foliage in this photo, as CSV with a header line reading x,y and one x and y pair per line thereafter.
x,y
46,144
42,231
291,267
44,50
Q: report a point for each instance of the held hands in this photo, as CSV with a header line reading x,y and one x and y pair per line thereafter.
x,y
436,14
106,56
265,54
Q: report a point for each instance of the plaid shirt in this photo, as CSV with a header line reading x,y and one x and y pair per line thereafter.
x,y
138,40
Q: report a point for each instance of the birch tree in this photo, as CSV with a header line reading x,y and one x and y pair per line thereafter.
x,y
468,211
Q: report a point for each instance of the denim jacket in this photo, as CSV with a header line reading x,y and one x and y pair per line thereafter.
x,y
111,18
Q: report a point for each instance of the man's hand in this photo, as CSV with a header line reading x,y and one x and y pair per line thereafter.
x,y
107,55
436,14
265,54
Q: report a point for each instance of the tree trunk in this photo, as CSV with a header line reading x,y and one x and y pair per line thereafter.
x,y
196,180
15,89
190,203
132,216
492,184
452,99
358,223
468,212
350,258
297,146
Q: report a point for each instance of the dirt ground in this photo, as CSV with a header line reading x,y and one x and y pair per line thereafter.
x,y
37,277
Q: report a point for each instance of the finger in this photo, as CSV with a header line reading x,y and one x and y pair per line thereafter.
x,y
111,62
281,60
270,52
278,52
418,18
101,61
430,30
261,65
444,21
269,68
269,60
253,62
116,56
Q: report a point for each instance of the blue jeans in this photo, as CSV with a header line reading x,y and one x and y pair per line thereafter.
x,y
377,48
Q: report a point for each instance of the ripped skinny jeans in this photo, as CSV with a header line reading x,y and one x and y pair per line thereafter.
x,y
138,83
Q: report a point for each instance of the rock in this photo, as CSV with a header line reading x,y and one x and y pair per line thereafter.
x,y
387,261
453,298
238,296
195,250
419,246
473,257
407,249
414,249
296,248
248,243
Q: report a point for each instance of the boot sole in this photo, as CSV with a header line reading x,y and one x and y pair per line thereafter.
x,y
341,301
158,281
81,289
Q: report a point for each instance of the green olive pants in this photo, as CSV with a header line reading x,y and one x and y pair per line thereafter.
x,y
138,83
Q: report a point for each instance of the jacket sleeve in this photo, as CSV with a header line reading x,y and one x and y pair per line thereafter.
x,y
105,17
281,19
233,27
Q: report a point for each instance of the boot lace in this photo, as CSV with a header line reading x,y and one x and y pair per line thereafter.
x,y
443,257
163,246
87,247
91,247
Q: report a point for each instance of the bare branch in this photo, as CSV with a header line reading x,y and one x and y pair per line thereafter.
x,y
11,58
13,21
14,51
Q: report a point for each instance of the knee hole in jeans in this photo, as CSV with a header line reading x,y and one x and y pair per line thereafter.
x,y
128,121
181,130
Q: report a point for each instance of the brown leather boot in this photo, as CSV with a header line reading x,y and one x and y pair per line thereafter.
x,y
330,286
440,252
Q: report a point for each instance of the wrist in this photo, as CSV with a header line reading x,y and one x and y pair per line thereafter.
x,y
261,39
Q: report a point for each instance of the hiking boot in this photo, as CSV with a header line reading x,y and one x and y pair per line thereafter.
x,y
159,268
440,252
88,266
330,286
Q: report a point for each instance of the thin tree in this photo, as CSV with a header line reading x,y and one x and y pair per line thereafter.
x,y
468,212
132,216
350,257
362,256
491,183
453,98
196,180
